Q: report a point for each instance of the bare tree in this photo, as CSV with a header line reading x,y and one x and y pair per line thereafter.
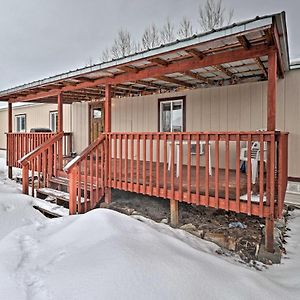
x,y
185,28
106,56
167,32
123,44
213,15
151,37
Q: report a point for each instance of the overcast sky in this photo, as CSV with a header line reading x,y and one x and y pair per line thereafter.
x,y
40,38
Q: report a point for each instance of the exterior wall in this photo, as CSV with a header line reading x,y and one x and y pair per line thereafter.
x,y
36,116
239,108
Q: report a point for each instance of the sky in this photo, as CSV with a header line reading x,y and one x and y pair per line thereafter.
x,y
40,38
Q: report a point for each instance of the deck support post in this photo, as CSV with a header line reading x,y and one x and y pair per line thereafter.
x,y
174,213
8,147
271,126
25,178
72,191
60,129
107,128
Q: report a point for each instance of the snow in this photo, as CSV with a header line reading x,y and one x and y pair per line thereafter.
x,y
106,255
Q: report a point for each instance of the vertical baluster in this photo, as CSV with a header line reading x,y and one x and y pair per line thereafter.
x,y
80,208
44,162
115,160
237,172
120,161
138,163
249,172
39,170
217,151
227,171
92,200
172,169
206,170
180,167
85,172
197,182
261,176
132,161
109,162
126,162
165,165
32,177
151,166
98,166
157,164
189,170
102,166
144,163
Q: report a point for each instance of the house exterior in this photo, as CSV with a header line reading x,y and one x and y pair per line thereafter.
x,y
172,122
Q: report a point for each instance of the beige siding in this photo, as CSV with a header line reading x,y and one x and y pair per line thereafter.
x,y
36,116
240,107
80,126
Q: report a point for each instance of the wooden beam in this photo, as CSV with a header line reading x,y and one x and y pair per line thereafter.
x,y
107,109
279,54
261,66
244,41
198,77
159,61
196,53
60,129
129,69
156,71
150,84
247,45
224,70
175,81
272,90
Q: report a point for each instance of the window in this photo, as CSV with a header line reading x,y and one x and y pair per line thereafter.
x,y
20,123
53,120
97,113
172,115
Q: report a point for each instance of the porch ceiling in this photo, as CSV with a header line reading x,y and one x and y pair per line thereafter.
x,y
231,55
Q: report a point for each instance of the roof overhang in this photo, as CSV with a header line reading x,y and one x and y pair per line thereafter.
x,y
229,55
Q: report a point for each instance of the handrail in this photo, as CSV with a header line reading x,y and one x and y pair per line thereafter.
x,y
25,159
84,154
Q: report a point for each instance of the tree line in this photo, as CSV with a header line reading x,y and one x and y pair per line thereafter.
x,y
211,15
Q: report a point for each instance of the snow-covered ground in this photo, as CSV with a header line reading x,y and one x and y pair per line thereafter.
x,y
107,255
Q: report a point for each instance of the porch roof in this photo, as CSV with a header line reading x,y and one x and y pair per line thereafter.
x,y
230,55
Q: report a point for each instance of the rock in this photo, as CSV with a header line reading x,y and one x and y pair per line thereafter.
x,y
188,227
104,205
164,221
221,240
280,224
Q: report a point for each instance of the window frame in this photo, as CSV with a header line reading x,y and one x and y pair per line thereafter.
x,y
52,112
16,123
172,99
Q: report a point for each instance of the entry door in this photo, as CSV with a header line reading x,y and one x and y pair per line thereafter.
x,y
96,120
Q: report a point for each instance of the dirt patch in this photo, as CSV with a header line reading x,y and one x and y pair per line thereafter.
x,y
238,233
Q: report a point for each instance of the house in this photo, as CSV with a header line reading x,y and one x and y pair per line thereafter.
x,y
172,122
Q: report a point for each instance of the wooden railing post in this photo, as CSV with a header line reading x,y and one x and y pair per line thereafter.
x,y
25,178
72,191
9,142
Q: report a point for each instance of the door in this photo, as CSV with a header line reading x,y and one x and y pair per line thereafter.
x,y
96,120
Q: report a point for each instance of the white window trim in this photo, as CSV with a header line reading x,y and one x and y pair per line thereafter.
x,y
52,113
172,103
17,117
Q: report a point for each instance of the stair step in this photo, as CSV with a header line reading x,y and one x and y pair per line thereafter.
x,y
65,182
50,209
58,195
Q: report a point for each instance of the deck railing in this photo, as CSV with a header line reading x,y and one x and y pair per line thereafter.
x,y
202,168
19,144
39,165
87,177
